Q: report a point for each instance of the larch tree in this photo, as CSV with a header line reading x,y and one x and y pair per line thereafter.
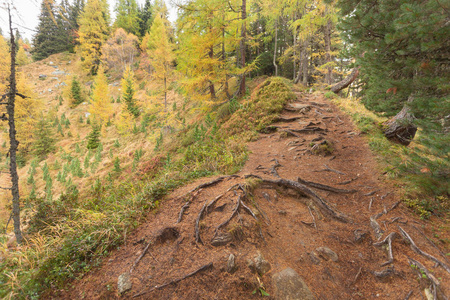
x,y
93,32
160,52
100,107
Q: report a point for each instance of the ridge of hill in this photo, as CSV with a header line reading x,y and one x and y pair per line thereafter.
x,y
309,206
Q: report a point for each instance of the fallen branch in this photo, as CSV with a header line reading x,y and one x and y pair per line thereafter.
x,y
370,203
419,251
324,187
328,169
207,266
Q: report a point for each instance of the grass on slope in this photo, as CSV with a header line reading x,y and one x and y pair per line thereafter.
x,y
71,234
422,191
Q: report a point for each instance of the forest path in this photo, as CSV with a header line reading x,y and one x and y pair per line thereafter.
x,y
189,247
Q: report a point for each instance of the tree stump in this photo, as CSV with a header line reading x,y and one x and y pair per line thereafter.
x,y
401,128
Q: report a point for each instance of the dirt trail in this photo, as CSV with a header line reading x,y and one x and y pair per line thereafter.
x,y
287,227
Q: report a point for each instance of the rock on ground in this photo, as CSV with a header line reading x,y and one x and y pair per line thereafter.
x,y
290,286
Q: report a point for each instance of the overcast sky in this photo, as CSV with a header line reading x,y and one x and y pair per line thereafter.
x,y
26,14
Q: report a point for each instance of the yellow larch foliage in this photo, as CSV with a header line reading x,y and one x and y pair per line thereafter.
x,y
101,108
27,112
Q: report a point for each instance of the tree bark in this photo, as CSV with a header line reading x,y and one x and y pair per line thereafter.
x,y
12,138
401,129
242,45
346,81
327,40
275,49
212,90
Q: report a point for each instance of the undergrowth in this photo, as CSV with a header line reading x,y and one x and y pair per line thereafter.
x,y
71,234
415,168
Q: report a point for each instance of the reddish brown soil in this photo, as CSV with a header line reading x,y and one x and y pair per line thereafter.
x,y
284,240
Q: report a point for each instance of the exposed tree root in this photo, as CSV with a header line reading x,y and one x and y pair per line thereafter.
x,y
325,187
304,190
436,286
235,210
388,240
202,268
375,226
186,205
141,256
274,168
348,181
431,242
287,120
385,273
211,183
328,169
419,251
409,295
197,224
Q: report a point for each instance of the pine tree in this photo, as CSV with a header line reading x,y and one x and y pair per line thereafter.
x,y
145,18
93,138
128,83
44,142
127,16
400,47
93,32
75,92
52,33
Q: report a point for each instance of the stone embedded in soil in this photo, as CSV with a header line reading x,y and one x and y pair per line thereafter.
x,y
231,264
124,283
290,286
313,258
327,253
221,239
259,264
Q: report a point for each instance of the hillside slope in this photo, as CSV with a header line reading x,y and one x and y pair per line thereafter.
x,y
327,235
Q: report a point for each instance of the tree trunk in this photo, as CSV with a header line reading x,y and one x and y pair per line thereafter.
x,y
12,139
227,92
275,49
327,40
212,91
242,45
401,129
305,62
346,81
